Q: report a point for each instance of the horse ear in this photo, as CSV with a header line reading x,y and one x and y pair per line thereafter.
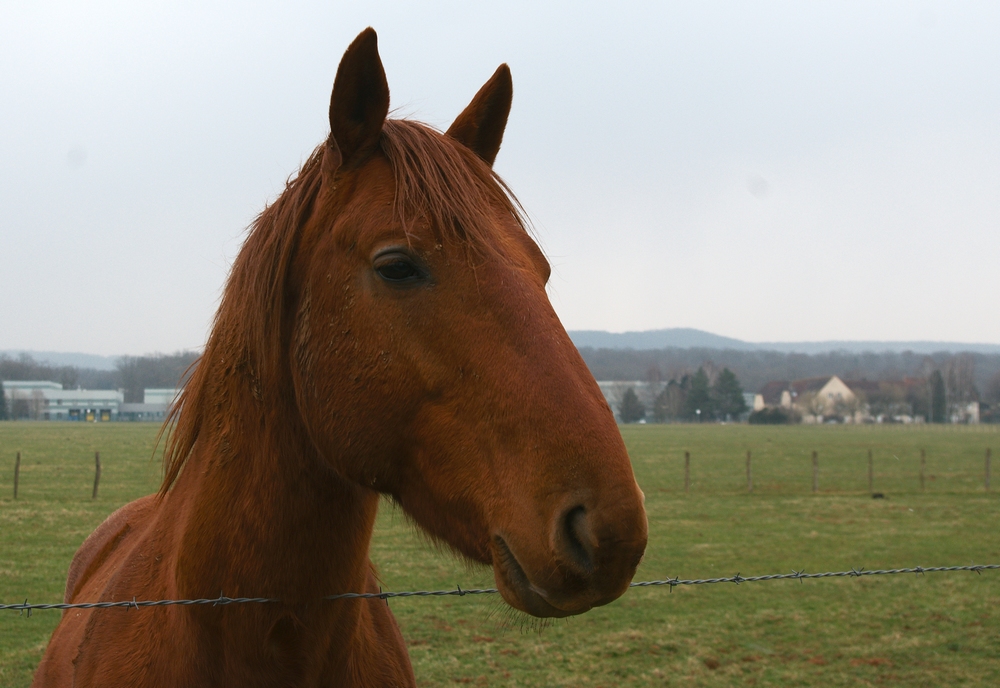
x,y
359,104
480,126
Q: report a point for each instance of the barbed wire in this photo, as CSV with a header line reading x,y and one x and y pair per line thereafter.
x,y
222,600
800,575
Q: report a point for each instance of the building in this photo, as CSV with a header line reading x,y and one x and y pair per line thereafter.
x,y
159,395
830,398
816,398
154,407
27,387
44,400
965,413
754,402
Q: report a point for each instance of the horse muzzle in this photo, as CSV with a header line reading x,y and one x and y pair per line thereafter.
x,y
587,558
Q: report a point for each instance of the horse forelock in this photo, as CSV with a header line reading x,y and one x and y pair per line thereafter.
x,y
451,186
436,178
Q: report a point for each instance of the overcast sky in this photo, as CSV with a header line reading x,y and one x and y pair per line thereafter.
x,y
766,171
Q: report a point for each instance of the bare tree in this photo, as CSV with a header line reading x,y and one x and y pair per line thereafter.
x,y
814,404
36,405
670,401
851,406
136,373
960,379
20,409
993,389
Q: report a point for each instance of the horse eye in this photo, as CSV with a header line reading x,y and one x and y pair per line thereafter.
x,y
397,268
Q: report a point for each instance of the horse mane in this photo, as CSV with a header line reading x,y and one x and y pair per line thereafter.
x,y
436,177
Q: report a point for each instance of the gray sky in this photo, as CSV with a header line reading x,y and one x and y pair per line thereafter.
x,y
767,171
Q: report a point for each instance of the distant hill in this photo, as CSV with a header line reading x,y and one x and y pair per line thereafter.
x,y
62,358
674,338
918,347
649,340
688,338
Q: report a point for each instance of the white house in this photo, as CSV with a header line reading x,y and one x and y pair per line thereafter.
x,y
816,397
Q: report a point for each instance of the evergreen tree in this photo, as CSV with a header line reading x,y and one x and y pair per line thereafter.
x,y
3,403
631,409
699,398
939,405
727,395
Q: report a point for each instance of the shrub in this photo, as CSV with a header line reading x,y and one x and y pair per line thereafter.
x,y
773,416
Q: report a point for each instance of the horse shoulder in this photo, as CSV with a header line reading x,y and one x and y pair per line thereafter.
x,y
94,560
104,541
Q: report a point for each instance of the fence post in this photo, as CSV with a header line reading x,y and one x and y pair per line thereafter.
x,y
687,471
988,457
17,473
97,473
749,474
923,466
815,472
871,473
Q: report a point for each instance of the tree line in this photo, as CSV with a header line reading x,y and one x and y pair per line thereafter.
x,y
693,397
900,383
132,375
137,373
914,384
962,372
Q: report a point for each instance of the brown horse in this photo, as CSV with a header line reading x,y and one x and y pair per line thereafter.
x,y
385,330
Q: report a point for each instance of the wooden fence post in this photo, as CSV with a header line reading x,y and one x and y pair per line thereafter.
x,y
871,473
923,467
17,473
988,457
687,471
815,472
749,474
97,473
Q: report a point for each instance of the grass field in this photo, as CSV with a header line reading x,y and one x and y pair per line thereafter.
x,y
932,630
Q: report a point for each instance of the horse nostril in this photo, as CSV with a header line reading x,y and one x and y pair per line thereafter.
x,y
577,539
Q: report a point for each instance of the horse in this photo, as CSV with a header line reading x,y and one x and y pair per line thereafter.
x,y
385,330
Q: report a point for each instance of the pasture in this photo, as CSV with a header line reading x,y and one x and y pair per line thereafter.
x,y
937,629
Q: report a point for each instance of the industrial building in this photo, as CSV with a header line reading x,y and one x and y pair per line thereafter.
x,y
44,400
155,404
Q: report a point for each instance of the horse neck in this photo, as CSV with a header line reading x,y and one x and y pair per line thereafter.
x,y
263,515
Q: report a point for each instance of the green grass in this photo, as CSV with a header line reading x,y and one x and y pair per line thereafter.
x,y
933,630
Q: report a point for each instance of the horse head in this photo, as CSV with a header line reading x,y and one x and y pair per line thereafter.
x,y
430,366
